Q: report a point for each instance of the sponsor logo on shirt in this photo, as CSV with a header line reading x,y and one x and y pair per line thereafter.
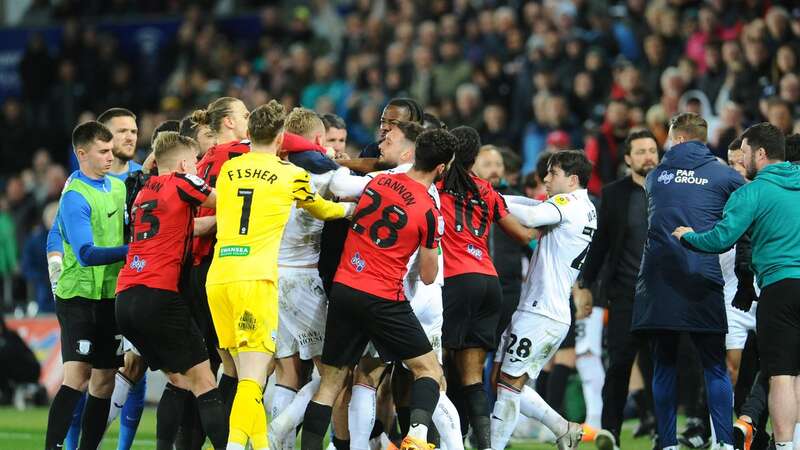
x,y
234,250
475,251
665,177
137,263
561,199
358,262
688,177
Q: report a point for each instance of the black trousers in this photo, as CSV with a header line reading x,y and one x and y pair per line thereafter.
x,y
623,347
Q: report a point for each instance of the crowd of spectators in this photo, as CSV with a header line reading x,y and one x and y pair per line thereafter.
x,y
531,76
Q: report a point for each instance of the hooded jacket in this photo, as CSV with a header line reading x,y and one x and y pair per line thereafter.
x,y
678,289
769,208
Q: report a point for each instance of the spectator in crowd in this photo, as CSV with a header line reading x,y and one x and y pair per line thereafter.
x,y
34,261
605,148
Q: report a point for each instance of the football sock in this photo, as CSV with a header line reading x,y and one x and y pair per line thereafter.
x,y
227,390
121,388
533,405
593,376
796,437
361,416
557,385
424,397
281,397
131,414
60,415
94,422
190,426
169,414
445,417
74,433
404,419
341,444
215,423
504,415
284,426
315,425
248,415
478,410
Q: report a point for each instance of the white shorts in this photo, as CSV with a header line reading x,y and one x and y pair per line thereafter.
x,y
127,346
739,324
589,333
302,310
530,342
427,306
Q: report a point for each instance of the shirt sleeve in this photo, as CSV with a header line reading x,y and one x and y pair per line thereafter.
x,y
54,241
345,185
307,198
77,221
737,217
192,189
500,208
545,213
433,229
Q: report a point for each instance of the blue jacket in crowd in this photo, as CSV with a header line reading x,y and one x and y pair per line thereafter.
x,y
679,289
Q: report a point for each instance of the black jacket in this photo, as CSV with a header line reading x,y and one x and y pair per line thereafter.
x,y
609,240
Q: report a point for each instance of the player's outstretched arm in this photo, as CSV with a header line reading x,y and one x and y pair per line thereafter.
x,y
347,186
737,217
205,226
363,165
545,213
512,227
325,209
521,200
211,200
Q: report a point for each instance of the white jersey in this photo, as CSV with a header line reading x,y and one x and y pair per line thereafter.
x,y
558,258
300,245
413,285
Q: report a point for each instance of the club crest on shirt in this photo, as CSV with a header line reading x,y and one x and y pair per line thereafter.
x,y
358,262
137,263
475,251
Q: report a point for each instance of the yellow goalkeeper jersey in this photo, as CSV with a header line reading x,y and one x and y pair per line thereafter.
x,y
255,193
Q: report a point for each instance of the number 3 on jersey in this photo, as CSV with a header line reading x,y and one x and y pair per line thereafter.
x,y
383,232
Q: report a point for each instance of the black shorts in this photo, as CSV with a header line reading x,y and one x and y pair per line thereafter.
x,y
472,303
356,318
158,324
196,299
89,332
778,328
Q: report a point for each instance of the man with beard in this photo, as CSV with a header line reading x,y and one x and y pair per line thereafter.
x,y
618,246
603,149
122,124
680,291
767,208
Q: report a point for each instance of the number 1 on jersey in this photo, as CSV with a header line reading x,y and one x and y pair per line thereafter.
x,y
247,203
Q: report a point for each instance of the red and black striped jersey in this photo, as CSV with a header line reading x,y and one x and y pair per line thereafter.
x,y
395,216
162,223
